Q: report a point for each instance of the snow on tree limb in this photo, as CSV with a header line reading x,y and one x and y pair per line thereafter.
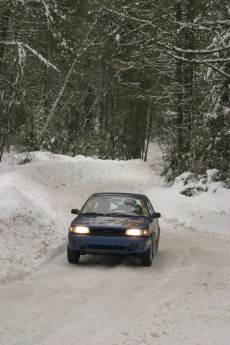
x,y
41,58
205,62
169,49
218,70
67,78
195,51
24,45
205,26
59,97
128,16
47,13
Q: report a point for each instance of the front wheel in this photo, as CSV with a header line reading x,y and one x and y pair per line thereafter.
x,y
73,256
147,257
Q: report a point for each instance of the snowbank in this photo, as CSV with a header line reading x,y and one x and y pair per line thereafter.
x,y
207,211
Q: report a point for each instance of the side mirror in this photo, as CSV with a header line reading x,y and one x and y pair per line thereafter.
x,y
156,215
75,211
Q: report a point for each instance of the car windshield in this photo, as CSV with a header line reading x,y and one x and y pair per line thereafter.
x,y
113,205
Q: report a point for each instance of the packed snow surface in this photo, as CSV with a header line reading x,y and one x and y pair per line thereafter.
x,y
184,298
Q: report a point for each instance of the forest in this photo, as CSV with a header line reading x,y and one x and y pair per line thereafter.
x,y
104,78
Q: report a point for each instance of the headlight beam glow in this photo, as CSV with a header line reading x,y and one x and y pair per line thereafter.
x,y
79,230
137,232
133,232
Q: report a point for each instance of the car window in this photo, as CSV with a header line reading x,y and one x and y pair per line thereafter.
x,y
151,210
112,204
90,205
145,208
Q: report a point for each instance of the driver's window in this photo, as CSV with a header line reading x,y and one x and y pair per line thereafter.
x,y
151,210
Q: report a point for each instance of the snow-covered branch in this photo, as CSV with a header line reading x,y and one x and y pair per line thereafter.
x,y
207,62
47,13
139,20
182,24
24,45
194,51
59,97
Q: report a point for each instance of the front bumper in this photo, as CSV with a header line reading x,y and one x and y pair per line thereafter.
x,y
122,245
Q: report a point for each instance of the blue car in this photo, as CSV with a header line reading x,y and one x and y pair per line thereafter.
x,y
115,224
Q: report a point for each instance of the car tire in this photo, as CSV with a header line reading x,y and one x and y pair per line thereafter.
x,y
73,256
147,257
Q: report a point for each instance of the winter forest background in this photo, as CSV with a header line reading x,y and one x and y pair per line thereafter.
x,y
104,78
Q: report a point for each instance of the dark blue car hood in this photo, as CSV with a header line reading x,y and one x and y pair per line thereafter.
x,y
112,222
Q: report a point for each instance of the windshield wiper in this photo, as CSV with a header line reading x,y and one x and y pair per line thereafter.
x,y
117,214
114,214
123,214
88,213
91,214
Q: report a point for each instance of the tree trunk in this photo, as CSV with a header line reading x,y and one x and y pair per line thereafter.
x,y
150,116
189,39
54,107
179,85
4,25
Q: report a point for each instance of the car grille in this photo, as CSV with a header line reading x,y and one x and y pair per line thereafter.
x,y
106,247
107,232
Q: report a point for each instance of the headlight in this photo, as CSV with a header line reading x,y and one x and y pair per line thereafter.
x,y
137,232
79,229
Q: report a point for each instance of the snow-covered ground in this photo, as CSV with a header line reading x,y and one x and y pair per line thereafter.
x,y
184,298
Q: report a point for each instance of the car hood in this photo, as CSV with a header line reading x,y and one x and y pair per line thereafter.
x,y
112,222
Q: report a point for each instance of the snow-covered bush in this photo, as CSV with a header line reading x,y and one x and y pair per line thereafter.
x,y
190,184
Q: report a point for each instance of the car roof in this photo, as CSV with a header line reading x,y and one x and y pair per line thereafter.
x,y
135,195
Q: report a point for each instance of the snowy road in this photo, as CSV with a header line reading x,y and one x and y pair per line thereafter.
x,y
182,299
179,300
